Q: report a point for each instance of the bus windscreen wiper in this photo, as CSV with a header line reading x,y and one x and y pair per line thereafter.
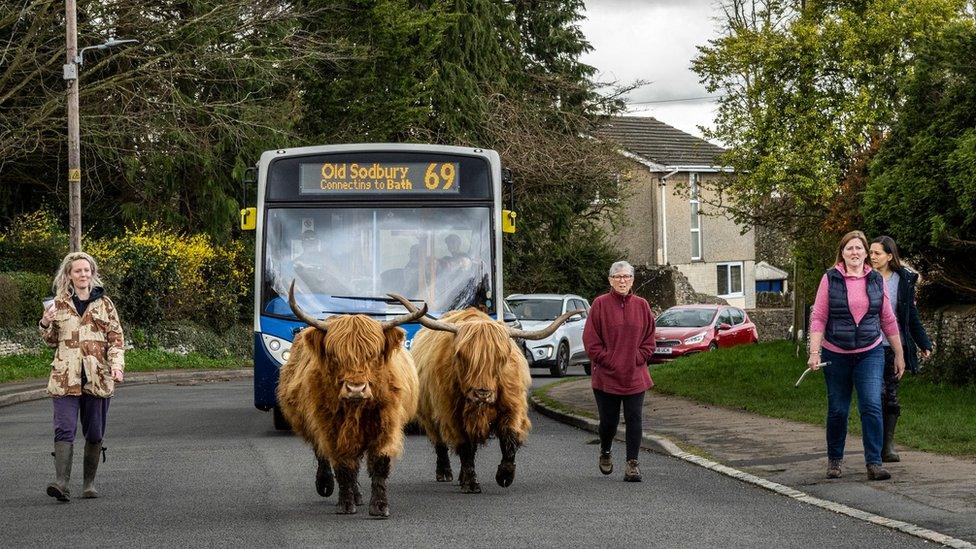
x,y
377,299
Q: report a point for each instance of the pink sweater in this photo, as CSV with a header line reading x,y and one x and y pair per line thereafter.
x,y
857,301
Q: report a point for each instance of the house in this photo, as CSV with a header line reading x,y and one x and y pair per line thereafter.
x,y
667,219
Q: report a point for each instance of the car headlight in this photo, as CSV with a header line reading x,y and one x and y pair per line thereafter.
x,y
697,338
278,348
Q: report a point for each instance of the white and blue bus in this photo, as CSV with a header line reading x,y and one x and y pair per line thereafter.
x,y
352,223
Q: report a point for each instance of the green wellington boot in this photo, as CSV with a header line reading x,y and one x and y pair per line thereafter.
x,y
92,451
63,452
888,454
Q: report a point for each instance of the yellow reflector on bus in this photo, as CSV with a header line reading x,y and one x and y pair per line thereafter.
x,y
249,219
508,221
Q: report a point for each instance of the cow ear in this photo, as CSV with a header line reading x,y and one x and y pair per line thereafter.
x,y
394,341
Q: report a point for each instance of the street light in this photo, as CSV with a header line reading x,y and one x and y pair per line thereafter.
x,y
75,59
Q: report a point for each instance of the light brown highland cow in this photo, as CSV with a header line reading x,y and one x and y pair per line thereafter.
x,y
473,384
348,388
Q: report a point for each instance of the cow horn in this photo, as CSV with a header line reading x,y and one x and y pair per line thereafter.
x,y
302,315
426,321
412,315
545,332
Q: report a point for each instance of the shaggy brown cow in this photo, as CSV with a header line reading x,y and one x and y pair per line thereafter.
x,y
348,389
473,383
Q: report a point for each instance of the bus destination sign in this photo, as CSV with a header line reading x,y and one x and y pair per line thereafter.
x,y
379,178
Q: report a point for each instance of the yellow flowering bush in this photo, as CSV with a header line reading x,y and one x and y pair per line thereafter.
x,y
158,274
153,273
34,242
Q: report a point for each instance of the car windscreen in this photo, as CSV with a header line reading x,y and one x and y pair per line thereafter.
x,y
345,260
536,309
686,318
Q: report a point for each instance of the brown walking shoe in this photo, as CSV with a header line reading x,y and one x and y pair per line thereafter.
x,y
632,473
833,468
606,463
877,472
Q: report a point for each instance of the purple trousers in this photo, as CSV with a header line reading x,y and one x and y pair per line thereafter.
x,y
94,412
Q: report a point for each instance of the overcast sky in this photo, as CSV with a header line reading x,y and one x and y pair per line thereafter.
x,y
654,40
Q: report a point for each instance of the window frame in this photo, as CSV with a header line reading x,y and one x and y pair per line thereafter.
x,y
728,278
694,205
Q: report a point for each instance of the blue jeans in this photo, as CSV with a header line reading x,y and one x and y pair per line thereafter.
x,y
864,372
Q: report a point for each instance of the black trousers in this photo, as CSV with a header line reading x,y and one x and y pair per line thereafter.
x,y
889,394
609,408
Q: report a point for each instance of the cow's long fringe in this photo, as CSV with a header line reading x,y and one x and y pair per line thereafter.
x,y
481,355
355,349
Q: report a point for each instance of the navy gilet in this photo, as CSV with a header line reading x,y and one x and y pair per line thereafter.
x,y
841,329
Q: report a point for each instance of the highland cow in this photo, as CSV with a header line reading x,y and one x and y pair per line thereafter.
x,y
473,384
348,388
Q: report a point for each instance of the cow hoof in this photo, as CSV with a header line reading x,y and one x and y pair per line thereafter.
x,y
445,476
324,480
505,474
345,508
471,488
379,509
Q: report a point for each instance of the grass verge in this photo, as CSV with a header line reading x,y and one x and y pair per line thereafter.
x,y
32,366
759,378
542,395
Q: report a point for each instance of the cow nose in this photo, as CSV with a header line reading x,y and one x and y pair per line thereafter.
x,y
356,387
483,394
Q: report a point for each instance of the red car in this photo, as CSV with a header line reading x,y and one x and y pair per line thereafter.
x,y
689,329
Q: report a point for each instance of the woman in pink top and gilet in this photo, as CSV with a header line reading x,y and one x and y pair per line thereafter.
x,y
851,316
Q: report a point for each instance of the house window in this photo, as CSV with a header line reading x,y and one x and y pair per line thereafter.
x,y
695,218
729,278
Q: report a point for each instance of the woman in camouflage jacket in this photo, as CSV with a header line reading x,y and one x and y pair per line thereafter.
x,y
83,325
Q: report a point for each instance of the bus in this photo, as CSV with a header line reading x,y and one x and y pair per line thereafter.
x,y
352,223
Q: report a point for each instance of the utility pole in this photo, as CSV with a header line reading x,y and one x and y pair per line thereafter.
x,y
74,139
76,59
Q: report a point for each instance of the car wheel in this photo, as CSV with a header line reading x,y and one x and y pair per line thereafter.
x,y
588,369
561,366
280,423
712,346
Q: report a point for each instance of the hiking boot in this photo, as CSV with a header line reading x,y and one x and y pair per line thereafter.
x,y
606,463
92,451
632,473
888,454
63,452
877,472
833,468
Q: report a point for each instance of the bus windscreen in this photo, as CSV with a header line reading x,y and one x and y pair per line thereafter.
x,y
345,260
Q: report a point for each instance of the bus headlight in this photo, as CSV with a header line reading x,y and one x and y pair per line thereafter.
x,y
278,348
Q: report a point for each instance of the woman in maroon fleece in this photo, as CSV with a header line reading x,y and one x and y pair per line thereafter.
x,y
619,338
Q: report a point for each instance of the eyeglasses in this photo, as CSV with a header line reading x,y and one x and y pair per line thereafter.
x,y
622,277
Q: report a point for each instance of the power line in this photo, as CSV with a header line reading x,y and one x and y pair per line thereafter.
x,y
673,100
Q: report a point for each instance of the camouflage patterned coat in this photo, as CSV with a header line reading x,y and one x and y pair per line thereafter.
x,y
93,342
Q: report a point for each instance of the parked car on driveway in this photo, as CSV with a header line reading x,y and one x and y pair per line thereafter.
x,y
565,346
689,329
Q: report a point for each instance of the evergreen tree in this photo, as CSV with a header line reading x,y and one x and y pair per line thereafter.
x,y
922,189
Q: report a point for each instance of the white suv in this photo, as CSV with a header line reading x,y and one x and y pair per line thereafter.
x,y
565,345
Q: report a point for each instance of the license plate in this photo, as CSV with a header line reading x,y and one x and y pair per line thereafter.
x,y
663,350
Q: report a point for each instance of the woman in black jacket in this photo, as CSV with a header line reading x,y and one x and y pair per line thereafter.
x,y
900,283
